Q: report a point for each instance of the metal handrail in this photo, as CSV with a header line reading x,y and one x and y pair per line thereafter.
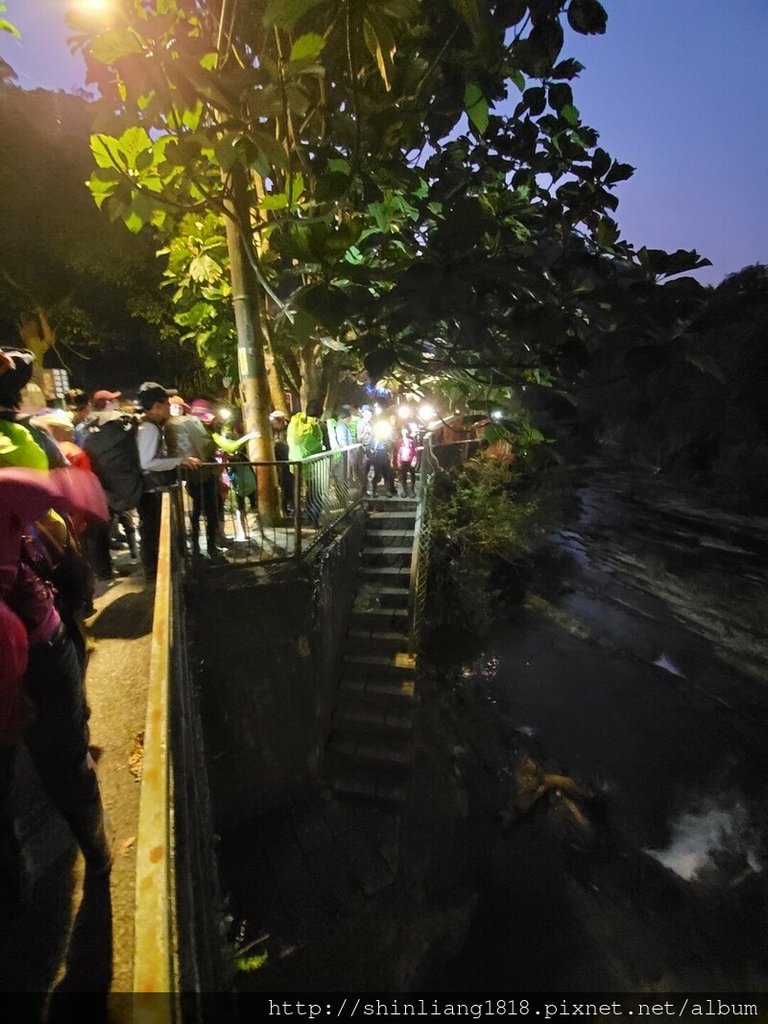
x,y
319,490
156,968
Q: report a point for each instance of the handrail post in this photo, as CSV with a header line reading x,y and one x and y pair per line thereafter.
x,y
297,489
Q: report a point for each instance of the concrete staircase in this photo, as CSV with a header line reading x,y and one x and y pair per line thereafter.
x,y
370,748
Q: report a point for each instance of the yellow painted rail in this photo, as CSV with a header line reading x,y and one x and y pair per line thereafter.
x,y
155,956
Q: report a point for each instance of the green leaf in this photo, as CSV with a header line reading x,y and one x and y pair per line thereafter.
x,y
6,26
587,17
203,268
276,201
103,147
110,45
270,149
132,142
381,45
619,172
326,303
560,95
601,162
470,11
535,99
607,231
287,13
307,47
567,68
226,151
511,11
476,106
332,186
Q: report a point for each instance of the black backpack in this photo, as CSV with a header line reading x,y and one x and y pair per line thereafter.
x,y
114,454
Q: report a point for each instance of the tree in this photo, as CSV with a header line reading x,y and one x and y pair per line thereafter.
x,y
377,195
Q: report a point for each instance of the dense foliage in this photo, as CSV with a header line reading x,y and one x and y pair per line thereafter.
x,y
406,183
693,408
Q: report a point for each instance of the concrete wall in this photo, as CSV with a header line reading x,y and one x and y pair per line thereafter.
x,y
266,650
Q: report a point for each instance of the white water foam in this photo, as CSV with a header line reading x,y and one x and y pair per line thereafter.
x,y
698,836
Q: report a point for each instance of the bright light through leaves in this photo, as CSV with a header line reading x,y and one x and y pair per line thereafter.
x,y
94,7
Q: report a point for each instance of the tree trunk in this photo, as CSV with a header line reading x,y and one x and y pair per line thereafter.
x,y
276,384
251,365
311,374
38,336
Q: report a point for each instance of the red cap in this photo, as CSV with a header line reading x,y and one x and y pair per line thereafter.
x,y
202,410
101,398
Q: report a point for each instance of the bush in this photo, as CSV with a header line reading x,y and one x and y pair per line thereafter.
x,y
487,517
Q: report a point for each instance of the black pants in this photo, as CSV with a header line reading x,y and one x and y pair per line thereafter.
x,y
149,508
124,520
57,741
95,547
408,471
205,501
382,470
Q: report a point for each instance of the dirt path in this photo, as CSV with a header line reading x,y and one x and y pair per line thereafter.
x,y
117,692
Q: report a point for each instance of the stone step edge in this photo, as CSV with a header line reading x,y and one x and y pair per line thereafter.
x,y
368,719
385,550
371,750
399,689
368,785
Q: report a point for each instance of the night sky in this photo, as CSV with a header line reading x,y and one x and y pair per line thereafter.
x,y
677,88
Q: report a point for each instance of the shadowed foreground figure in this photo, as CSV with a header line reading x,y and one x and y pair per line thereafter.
x,y
43,696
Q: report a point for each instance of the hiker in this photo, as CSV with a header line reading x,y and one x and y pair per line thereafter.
x,y
279,422
188,433
79,405
406,460
305,438
109,438
159,470
43,698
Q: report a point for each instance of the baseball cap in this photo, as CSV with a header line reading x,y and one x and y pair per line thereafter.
x,y
202,410
100,398
151,392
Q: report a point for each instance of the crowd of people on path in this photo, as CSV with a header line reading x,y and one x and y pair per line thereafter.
x,y
73,483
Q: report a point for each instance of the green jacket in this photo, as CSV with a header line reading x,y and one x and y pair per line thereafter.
x,y
305,436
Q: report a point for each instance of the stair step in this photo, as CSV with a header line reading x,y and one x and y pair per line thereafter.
x,y
368,718
368,783
378,636
400,660
377,690
384,570
387,533
387,550
381,597
383,751
378,514
379,616
376,641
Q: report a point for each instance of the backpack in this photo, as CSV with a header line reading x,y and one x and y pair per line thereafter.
x,y
304,436
114,454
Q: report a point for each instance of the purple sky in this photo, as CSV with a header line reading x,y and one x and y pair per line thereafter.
x,y
677,88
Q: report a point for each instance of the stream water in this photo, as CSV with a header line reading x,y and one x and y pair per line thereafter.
x,y
641,678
